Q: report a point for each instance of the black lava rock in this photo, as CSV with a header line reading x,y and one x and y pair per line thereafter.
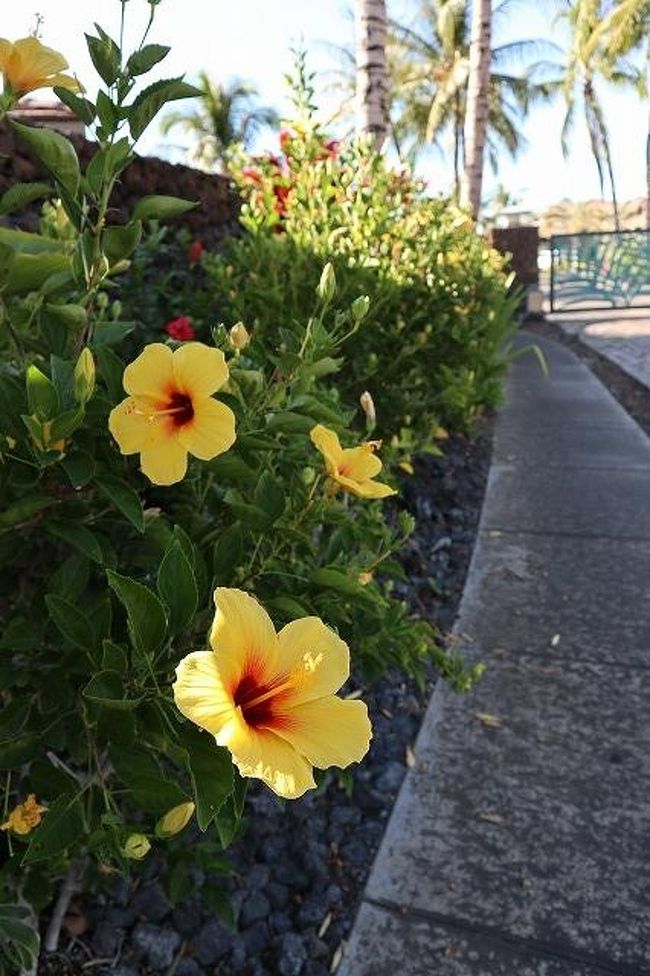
x,y
292,955
156,944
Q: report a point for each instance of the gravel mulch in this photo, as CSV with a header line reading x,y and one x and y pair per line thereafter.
x,y
630,393
301,867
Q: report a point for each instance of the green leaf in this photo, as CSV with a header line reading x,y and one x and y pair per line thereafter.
x,y
79,537
161,208
269,496
20,195
81,107
62,827
16,750
30,272
119,242
211,770
106,688
287,422
66,423
7,258
111,369
143,776
70,579
55,152
149,102
124,498
177,587
114,657
104,54
143,60
71,622
110,334
19,938
23,510
229,816
107,113
42,398
340,582
145,612
228,551
79,468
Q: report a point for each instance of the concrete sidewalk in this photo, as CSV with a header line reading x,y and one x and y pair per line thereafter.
x,y
621,335
520,842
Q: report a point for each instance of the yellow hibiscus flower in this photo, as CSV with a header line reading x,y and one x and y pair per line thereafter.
x,y
270,698
171,412
353,468
27,64
24,817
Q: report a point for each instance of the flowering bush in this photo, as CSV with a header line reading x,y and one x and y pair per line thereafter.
x,y
124,516
433,348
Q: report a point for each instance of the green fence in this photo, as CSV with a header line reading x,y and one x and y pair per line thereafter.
x,y
601,270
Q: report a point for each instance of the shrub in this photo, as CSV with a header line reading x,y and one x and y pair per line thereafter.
x,y
432,348
112,542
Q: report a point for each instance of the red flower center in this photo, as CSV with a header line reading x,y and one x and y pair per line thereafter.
x,y
259,701
180,409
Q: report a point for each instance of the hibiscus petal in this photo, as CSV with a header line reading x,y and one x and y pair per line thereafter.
x,y
243,638
151,374
37,60
199,370
129,426
326,441
211,430
366,489
6,49
315,657
328,732
199,692
164,462
360,463
261,754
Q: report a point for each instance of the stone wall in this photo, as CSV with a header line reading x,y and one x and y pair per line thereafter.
x,y
521,244
213,219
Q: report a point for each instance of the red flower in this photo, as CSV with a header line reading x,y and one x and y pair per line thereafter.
x,y
251,174
286,136
181,329
281,193
194,252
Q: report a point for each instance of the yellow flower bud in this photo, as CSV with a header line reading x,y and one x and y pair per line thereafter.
x,y
175,820
136,847
239,337
84,376
365,578
327,284
368,407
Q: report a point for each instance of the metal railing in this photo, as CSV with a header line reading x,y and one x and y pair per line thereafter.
x,y
600,270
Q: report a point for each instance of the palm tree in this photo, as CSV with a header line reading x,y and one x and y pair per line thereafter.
x,y
430,72
622,30
478,100
225,115
371,80
591,59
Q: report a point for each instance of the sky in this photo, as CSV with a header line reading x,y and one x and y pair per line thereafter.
x,y
252,40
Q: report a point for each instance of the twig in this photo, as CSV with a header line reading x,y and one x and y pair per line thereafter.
x,y
51,941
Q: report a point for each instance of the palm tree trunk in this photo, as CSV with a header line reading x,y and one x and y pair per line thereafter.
x,y
477,104
458,124
372,85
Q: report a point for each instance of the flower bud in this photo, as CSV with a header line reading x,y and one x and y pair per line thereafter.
x,y
307,476
136,847
365,578
368,407
327,284
84,376
175,820
360,308
239,337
